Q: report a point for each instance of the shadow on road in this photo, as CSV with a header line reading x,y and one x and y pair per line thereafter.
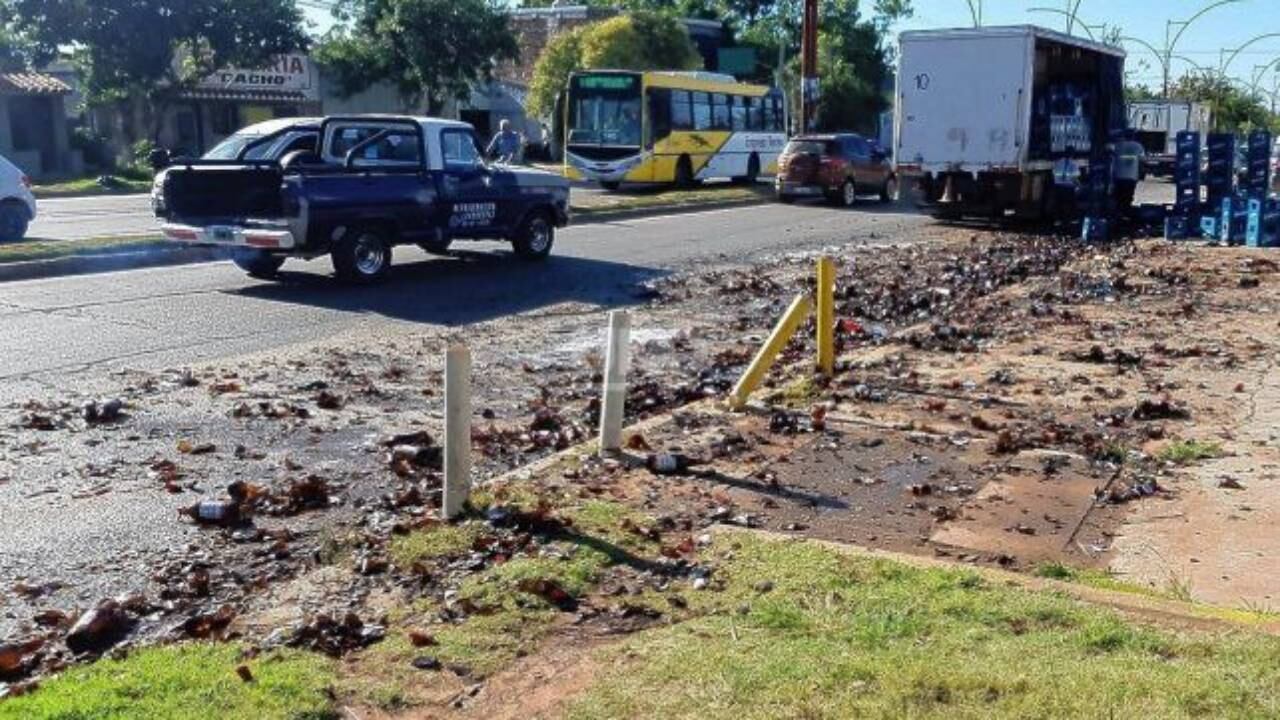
x,y
465,287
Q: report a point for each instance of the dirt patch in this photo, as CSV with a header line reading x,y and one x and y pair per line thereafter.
x,y
999,399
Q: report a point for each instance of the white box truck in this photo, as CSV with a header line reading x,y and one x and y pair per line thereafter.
x,y
1002,121
1156,124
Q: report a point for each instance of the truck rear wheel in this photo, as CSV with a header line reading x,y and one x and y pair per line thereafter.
x,y
257,263
362,256
438,246
535,237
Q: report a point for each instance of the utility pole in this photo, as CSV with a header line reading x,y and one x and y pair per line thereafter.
x,y
778,77
809,66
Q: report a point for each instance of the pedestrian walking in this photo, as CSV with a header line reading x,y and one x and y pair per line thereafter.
x,y
505,146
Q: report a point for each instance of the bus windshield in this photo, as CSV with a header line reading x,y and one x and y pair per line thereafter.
x,y
605,110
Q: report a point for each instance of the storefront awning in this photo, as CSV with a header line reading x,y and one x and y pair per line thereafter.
x,y
291,97
29,83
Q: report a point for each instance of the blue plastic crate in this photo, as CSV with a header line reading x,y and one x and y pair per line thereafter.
x,y
1177,227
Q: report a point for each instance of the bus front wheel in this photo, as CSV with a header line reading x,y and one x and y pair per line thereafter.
x,y
684,172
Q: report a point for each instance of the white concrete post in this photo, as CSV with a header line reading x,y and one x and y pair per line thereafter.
x,y
457,431
616,364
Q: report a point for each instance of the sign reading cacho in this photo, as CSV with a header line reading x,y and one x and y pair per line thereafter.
x,y
286,73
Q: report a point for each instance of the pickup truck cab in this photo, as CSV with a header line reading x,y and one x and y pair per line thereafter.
x,y
373,182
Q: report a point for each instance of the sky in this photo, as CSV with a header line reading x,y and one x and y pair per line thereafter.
x,y
1229,26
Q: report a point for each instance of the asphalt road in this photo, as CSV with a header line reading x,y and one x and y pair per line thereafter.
x,y
64,333
119,216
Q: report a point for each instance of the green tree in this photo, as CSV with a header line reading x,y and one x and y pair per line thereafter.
x,y
1234,110
431,50
639,41
561,56
708,9
15,50
13,55
1138,92
636,41
855,52
157,48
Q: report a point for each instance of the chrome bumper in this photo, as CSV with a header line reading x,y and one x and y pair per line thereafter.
x,y
229,236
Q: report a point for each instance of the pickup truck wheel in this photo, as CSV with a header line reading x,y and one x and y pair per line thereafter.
x,y
257,263
362,256
14,219
534,239
436,247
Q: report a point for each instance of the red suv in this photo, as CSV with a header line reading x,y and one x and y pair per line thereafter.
x,y
839,166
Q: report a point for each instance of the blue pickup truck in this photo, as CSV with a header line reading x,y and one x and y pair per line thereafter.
x,y
368,184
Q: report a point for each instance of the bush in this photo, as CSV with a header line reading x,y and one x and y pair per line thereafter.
x,y
138,166
97,153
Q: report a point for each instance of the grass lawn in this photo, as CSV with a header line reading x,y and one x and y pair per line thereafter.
x,y
834,636
184,682
89,186
786,629
49,249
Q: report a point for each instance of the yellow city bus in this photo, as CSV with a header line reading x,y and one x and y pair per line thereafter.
x,y
670,128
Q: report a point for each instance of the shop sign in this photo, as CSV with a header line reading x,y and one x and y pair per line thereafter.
x,y
286,73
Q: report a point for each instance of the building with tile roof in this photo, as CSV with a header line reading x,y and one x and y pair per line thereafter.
x,y
34,134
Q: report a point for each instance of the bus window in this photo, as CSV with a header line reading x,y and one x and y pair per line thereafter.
x,y
660,115
739,109
755,114
773,115
701,111
720,116
681,112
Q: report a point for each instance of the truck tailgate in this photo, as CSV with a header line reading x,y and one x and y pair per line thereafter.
x,y
964,101
206,192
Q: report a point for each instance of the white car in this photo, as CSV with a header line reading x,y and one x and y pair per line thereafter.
x,y
17,204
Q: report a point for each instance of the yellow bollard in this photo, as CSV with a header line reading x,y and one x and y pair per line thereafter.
x,y
826,316
786,327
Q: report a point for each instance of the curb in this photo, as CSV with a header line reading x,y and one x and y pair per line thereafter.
x,y
165,256
599,217
107,262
